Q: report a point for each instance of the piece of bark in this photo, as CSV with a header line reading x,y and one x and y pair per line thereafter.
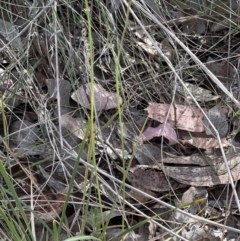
x,y
205,176
196,160
204,171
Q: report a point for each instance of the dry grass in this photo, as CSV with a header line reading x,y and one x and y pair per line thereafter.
x,y
141,51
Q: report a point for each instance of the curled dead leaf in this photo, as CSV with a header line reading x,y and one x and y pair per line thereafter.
x,y
182,117
162,130
103,100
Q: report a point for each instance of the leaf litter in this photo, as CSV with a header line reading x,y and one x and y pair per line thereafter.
x,y
103,100
178,170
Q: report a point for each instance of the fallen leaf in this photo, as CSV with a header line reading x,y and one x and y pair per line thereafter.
x,y
222,9
105,216
194,159
201,140
110,233
113,149
149,181
73,142
108,191
198,194
222,69
166,48
52,182
204,171
195,193
182,117
7,83
103,100
219,121
143,232
196,231
154,180
136,196
194,26
9,31
206,143
148,154
199,93
64,89
47,210
222,25
162,130
76,126
24,136
207,175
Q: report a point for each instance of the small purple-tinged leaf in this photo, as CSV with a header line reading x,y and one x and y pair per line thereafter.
x,y
162,130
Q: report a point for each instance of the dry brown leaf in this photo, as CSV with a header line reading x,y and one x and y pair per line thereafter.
x,y
218,119
162,130
222,69
206,143
201,140
52,182
25,137
136,196
180,116
150,49
194,193
110,233
199,93
151,179
194,26
75,126
167,50
211,171
223,24
145,229
196,231
198,194
64,89
222,6
196,159
47,210
146,44
9,31
207,175
148,154
108,192
103,100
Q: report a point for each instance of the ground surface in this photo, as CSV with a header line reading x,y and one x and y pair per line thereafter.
x,y
113,114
